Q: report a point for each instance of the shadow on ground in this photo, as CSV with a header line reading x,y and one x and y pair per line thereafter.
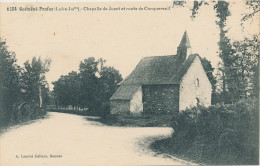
x,y
12,126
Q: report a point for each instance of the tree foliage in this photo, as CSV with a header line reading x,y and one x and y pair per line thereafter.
x,y
255,6
209,71
67,90
247,68
91,88
88,76
9,82
19,87
33,78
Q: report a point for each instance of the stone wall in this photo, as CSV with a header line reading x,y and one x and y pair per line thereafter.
x,y
160,98
119,106
195,87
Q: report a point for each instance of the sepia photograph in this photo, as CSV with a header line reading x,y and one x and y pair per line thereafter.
x,y
122,82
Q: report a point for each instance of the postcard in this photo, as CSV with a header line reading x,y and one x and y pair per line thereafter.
x,y
129,83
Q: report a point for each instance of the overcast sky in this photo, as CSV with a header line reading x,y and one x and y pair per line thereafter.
x,y
120,37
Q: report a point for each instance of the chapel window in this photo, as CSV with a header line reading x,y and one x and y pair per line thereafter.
x,y
197,84
197,101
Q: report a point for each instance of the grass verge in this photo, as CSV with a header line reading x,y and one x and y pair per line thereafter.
x,y
6,127
161,120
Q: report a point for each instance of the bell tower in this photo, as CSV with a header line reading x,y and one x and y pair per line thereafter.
x,y
184,49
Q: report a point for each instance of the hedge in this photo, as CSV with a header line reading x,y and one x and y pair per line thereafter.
x,y
21,113
222,134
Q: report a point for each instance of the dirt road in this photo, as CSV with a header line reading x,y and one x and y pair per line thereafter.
x,y
72,140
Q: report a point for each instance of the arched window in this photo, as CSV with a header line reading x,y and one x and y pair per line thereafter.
x,y
198,101
197,84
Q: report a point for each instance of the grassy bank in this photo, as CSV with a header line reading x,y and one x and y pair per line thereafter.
x,y
220,134
161,120
22,115
26,121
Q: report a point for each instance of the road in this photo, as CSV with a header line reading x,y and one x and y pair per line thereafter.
x,y
76,141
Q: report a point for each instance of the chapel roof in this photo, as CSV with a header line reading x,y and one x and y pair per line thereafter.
x,y
125,92
158,70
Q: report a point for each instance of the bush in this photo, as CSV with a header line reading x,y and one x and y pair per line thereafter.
x,y
160,120
225,134
28,111
105,109
22,112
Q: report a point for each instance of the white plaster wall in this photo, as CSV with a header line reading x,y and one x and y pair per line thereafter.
x,y
188,89
136,105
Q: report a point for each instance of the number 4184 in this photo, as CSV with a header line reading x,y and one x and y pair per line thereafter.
x,y
11,9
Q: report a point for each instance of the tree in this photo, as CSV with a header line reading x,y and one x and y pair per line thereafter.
x,y
67,90
9,82
91,88
246,64
88,78
254,5
209,71
98,82
60,92
109,78
74,88
251,4
21,87
34,78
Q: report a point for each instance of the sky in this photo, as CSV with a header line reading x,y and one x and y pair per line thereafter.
x,y
122,37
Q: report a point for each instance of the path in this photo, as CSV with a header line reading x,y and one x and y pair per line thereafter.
x,y
80,142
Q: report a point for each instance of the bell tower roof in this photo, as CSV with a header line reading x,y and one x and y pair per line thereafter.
x,y
185,42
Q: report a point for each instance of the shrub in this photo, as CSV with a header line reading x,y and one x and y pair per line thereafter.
x,y
105,109
225,134
22,112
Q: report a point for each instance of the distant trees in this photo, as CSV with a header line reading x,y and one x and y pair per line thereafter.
x,y
21,89
91,88
89,83
67,90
